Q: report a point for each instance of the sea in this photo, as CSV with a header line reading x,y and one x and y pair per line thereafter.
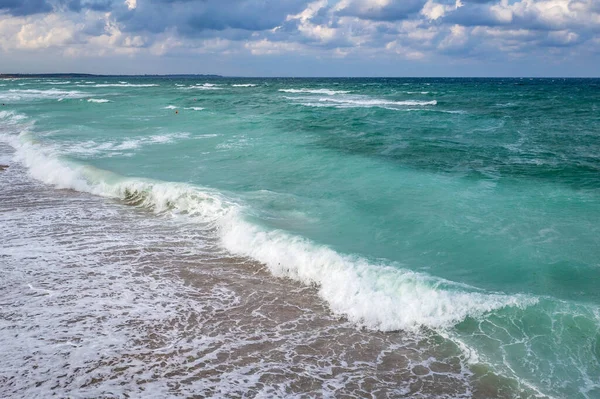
x,y
277,237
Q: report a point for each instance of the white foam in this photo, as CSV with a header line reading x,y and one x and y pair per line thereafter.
x,y
34,94
244,85
368,102
98,100
204,86
166,138
190,108
358,101
111,148
11,117
47,168
125,85
5,159
315,91
424,109
56,82
378,296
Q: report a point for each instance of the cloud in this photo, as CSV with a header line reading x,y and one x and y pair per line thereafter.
x,y
546,15
433,11
421,31
190,18
379,10
96,5
25,7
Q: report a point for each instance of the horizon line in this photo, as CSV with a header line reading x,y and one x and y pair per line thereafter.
x,y
210,75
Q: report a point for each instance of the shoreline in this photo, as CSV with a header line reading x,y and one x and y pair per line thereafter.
x,y
230,320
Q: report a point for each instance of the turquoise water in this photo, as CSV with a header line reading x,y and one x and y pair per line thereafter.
x,y
470,207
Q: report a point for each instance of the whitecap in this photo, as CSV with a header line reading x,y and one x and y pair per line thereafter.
x,y
368,102
315,91
125,85
59,82
359,102
204,86
34,94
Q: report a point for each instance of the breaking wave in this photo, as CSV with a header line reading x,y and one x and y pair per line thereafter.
x,y
315,91
204,86
372,294
35,94
124,85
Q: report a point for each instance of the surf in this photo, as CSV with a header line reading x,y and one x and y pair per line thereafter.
x,y
378,296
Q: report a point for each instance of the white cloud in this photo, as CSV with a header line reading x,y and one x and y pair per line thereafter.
x,y
404,52
36,32
131,4
433,11
309,12
563,37
457,38
362,6
318,32
266,47
551,14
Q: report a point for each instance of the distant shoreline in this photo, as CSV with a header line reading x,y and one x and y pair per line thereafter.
x,y
89,75
211,76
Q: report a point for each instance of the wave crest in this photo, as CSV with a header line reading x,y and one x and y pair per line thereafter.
x,y
375,295
315,91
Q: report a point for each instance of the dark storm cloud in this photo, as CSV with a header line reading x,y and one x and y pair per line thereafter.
x,y
24,7
95,5
30,7
192,17
473,15
395,11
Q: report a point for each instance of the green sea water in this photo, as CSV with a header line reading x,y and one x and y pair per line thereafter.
x,y
470,207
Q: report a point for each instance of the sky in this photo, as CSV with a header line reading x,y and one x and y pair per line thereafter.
x,y
302,38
